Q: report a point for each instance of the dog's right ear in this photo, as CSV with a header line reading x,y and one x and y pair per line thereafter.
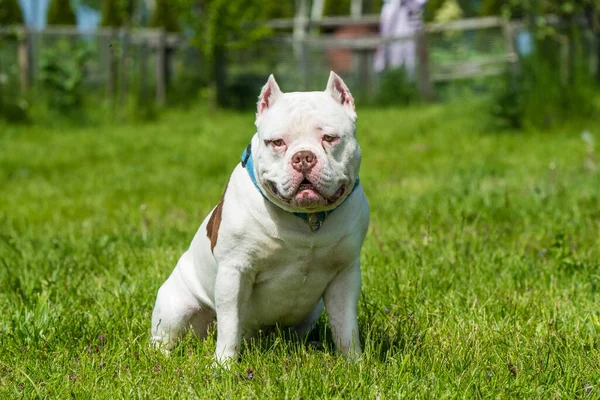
x,y
268,96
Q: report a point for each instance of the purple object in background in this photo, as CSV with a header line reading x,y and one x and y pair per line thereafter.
x,y
399,18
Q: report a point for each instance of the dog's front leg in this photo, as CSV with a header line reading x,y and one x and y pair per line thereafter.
x,y
232,293
341,303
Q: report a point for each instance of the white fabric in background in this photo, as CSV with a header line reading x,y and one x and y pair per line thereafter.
x,y
399,18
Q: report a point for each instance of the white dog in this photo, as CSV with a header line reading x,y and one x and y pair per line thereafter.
x,y
285,239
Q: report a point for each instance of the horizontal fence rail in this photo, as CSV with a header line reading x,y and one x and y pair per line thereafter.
x,y
456,50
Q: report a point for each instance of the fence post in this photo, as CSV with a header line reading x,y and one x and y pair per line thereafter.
x,y
144,70
565,55
160,68
365,72
123,70
111,66
356,8
24,59
509,46
299,35
424,83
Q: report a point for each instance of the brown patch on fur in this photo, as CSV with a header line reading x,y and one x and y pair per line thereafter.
x,y
214,222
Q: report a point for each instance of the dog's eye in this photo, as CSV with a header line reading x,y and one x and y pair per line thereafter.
x,y
277,143
329,138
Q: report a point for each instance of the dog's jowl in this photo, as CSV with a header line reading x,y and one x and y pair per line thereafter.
x,y
284,241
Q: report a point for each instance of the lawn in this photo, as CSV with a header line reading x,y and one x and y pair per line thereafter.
x,y
481,269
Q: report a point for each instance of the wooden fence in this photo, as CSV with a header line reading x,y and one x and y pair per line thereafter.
x,y
116,44
157,47
428,72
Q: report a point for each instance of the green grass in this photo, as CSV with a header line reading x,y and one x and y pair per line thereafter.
x,y
480,271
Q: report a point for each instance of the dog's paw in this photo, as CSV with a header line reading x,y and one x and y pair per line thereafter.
x,y
353,356
223,361
159,344
221,365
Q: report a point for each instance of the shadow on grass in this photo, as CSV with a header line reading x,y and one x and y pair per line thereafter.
x,y
384,334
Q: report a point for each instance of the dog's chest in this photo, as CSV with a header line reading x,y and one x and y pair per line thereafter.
x,y
291,278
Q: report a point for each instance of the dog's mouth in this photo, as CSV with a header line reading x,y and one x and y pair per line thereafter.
x,y
308,196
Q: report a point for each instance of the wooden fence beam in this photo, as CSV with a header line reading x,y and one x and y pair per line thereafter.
x,y
24,59
161,55
424,81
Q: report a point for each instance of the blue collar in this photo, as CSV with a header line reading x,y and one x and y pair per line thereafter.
x,y
314,220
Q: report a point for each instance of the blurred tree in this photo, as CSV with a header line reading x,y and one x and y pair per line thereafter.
x,y
166,15
224,24
342,7
570,13
11,105
469,8
554,82
450,11
431,9
491,7
115,13
112,13
284,9
10,12
60,12
97,4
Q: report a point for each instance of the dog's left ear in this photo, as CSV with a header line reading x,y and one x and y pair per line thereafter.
x,y
340,92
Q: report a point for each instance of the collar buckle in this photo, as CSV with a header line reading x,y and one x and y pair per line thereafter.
x,y
315,222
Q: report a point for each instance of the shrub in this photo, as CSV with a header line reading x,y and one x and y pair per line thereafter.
x,y
14,106
243,90
10,12
545,90
166,16
111,14
62,72
395,88
60,12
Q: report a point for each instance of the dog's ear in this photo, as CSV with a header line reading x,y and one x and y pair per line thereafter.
x,y
268,96
340,92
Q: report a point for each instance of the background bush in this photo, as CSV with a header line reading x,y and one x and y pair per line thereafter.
x,y
395,88
61,73
547,88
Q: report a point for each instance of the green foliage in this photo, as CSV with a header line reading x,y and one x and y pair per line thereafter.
x,y
166,15
282,9
117,13
231,23
97,4
10,12
112,13
243,88
537,97
223,25
14,106
533,9
555,83
342,7
479,270
469,8
60,12
449,11
188,82
61,74
492,7
395,88
431,9
454,8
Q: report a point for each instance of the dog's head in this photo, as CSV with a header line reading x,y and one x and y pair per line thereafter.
x,y
306,155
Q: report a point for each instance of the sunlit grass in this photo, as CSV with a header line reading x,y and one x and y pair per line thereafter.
x,y
480,270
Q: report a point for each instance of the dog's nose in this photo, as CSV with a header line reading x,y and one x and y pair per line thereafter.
x,y
304,160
